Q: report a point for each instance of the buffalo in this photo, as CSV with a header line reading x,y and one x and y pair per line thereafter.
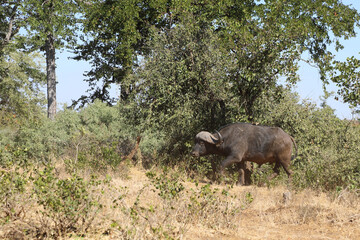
x,y
244,142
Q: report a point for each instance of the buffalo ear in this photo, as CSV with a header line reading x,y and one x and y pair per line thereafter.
x,y
207,137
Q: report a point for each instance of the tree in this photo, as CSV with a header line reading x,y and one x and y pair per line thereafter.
x,y
21,74
272,37
267,39
20,93
50,25
9,26
346,75
9,21
182,85
115,34
183,81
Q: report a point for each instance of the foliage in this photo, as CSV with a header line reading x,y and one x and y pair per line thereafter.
x,y
113,32
9,24
13,182
212,206
62,205
99,158
347,78
182,67
98,137
328,147
69,205
168,186
20,88
49,25
189,66
178,209
185,87
267,39
57,18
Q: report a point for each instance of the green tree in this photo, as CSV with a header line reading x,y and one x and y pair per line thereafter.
x,y
20,93
115,33
9,27
21,74
271,38
266,38
183,84
346,75
51,24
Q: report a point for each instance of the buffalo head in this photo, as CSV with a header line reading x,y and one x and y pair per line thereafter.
x,y
206,143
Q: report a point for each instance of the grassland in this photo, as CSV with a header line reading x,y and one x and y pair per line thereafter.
x,y
139,205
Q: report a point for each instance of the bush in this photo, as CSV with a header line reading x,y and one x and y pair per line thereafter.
x,y
68,205
12,191
328,147
174,208
95,129
169,186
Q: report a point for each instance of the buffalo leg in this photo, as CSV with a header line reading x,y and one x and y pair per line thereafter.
x,y
284,160
227,162
248,171
286,168
276,171
244,173
241,180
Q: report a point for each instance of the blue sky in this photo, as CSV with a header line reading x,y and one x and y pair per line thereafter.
x,y
71,85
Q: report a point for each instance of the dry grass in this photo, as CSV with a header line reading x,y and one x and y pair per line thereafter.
x,y
134,210
246,213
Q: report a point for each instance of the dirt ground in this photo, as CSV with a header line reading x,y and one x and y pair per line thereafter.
x,y
271,223
254,228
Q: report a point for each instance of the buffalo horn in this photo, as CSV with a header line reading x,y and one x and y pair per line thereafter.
x,y
220,140
210,138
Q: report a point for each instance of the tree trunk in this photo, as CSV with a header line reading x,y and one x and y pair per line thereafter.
x,y
50,75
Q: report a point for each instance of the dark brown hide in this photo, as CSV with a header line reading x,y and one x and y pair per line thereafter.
x,y
242,142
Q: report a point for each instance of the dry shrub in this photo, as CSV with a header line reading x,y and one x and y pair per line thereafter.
x,y
43,206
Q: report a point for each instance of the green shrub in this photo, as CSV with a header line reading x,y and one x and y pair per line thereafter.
x,y
13,184
328,147
169,186
99,157
97,126
68,205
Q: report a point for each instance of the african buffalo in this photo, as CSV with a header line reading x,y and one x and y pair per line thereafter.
x,y
242,142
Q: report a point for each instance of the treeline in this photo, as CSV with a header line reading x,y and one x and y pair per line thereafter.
x,y
209,52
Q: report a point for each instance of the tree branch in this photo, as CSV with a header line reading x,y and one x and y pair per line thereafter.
x,y
11,32
84,2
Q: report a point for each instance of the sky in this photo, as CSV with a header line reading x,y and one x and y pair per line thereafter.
x,y
71,84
